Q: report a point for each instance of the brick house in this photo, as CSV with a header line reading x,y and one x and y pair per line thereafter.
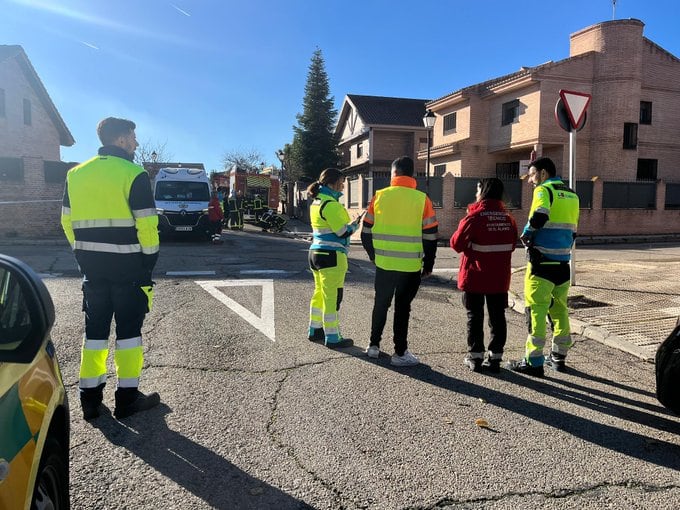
x,y
31,134
372,131
627,155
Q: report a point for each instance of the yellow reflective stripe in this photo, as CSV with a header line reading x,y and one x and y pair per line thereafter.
x,y
129,343
128,382
562,226
110,222
66,211
491,248
430,220
150,250
143,213
95,345
107,247
397,238
430,237
92,382
399,254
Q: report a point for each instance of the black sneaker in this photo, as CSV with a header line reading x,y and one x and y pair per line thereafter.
x,y
474,364
556,362
317,336
492,365
523,367
345,342
140,403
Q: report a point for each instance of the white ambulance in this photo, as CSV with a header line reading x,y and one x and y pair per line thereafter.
x,y
182,196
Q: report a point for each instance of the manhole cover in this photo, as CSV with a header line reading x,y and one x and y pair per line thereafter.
x,y
583,302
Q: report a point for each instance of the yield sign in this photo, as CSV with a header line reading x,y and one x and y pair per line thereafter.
x,y
265,322
576,104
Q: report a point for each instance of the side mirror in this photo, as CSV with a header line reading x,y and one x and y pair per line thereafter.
x,y
26,311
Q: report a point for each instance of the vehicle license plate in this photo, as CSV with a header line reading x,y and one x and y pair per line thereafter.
x,y
183,229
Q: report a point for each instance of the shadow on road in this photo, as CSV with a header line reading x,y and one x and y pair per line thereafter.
x,y
652,450
196,468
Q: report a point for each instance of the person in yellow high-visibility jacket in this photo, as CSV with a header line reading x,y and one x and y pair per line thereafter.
x,y
549,236
399,234
109,218
332,229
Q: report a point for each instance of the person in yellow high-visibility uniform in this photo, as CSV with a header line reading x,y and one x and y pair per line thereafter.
x,y
109,218
548,235
399,234
332,229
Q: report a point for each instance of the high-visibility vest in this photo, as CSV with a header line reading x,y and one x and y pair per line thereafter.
x,y
561,204
109,223
398,229
330,221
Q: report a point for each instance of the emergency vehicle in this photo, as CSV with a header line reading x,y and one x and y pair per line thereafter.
x,y
34,414
250,184
182,196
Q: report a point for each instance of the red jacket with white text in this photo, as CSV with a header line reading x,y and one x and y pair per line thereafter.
x,y
486,237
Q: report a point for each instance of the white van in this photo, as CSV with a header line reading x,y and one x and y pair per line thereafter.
x,y
182,196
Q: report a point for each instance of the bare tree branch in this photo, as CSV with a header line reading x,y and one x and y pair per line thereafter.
x,y
250,159
145,149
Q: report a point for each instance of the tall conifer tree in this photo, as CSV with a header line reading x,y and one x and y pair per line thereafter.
x,y
314,145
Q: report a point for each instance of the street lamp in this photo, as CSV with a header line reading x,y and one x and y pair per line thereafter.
x,y
428,121
282,156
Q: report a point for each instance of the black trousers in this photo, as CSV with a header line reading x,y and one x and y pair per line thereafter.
x,y
403,287
495,305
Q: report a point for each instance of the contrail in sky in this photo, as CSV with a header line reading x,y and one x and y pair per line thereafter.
x,y
89,45
181,10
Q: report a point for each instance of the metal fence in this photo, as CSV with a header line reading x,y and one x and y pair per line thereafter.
x,y
628,195
672,196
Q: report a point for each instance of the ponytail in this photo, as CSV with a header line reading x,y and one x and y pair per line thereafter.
x,y
313,189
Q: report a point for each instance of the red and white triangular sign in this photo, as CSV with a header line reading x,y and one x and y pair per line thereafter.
x,y
576,104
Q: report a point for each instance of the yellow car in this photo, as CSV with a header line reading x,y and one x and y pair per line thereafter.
x,y
34,414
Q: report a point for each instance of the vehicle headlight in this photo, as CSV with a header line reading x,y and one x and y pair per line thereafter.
x,y
204,211
160,211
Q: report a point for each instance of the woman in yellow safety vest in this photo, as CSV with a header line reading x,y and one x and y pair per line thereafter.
x,y
332,229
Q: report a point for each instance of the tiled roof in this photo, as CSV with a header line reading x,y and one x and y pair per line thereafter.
x,y
393,111
17,52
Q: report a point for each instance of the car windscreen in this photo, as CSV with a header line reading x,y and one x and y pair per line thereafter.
x,y
182,191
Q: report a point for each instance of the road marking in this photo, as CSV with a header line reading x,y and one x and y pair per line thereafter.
x,y
444,270
190,273
265,322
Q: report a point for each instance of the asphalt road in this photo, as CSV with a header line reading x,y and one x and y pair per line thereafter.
x,y
254,416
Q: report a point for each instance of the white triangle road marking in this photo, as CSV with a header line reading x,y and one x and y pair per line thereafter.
x,y
265,322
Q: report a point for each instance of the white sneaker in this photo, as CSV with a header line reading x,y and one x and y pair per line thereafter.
x,y
373,351
406,360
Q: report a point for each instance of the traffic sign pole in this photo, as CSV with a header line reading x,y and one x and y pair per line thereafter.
x,y
570,114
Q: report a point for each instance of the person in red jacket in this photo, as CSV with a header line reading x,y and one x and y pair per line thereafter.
x,y
486,238
215,217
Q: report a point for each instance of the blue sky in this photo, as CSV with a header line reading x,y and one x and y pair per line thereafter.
x,y
210,76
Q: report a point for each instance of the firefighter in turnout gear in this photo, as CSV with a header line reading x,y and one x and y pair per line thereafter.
x,y
236,210
548,236
332,229
109,218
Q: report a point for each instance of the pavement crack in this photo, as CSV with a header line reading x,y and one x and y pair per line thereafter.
x,y
339,501
556,494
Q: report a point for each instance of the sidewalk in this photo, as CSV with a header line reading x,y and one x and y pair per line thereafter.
x,y
630,305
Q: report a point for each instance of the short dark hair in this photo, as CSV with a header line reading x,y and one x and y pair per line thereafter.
x,y
112,128
403,166
545,164
491,188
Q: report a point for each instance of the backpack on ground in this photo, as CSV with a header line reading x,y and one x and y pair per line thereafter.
x,y
668,371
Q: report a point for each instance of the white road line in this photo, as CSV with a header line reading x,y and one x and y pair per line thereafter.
x,y
190,273
265,322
